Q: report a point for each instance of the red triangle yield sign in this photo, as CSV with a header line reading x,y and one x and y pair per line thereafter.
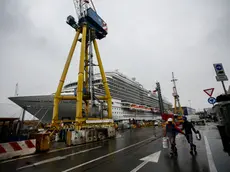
x,y
209,91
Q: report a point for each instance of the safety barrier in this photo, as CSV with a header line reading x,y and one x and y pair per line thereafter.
x,y
15,149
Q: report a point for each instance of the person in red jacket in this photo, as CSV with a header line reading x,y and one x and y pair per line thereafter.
x,y
171,131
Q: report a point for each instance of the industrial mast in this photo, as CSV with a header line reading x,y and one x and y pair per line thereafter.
x,y
160,100
177,107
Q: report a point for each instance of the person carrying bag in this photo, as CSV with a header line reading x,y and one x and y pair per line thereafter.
x,y
171,131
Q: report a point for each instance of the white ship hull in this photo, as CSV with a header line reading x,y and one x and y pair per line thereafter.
x,y
42,108
130,100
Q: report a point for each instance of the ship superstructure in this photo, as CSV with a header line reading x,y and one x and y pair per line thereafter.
x,y
130,100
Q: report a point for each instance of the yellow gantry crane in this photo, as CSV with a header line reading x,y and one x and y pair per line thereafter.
x,y
91,27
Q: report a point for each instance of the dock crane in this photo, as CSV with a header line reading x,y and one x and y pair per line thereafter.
x,y
177,107
160,99
91,27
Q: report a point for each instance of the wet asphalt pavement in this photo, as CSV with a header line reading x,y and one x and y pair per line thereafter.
x,y
123,154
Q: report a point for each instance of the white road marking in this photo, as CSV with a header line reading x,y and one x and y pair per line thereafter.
x,y
153,157
211,163
42,162
104,156
150,158
57,158
51,151
139,166
15,159
61,149
83,151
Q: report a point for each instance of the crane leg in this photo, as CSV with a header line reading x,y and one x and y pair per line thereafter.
x,y
109,98
86,80
63,76
81,76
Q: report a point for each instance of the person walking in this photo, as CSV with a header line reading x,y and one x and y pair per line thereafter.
x,y
188,128
171,132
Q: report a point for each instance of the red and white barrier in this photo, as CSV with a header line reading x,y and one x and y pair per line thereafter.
x,y
14,149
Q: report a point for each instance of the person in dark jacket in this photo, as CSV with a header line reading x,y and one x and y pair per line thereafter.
x,y
188,128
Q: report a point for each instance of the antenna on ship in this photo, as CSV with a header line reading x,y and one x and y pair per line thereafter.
x,y
177,106
16,90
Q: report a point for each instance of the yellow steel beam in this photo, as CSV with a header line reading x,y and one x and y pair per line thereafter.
x,y
63,76
177,110
86,68
55,110
181,110
63,121
81,75
102,97
109,100
86,79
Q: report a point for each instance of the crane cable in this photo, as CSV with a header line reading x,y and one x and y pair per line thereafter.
x,y
93,5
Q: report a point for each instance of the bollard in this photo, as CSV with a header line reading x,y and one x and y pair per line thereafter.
x,y
68,138
42,141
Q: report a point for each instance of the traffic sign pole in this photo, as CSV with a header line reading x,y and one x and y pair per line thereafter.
x,y
225,91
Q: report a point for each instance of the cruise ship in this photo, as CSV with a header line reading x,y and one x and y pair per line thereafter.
x,y
130,100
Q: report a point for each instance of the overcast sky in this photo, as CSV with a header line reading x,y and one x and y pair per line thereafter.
x,y
147,39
